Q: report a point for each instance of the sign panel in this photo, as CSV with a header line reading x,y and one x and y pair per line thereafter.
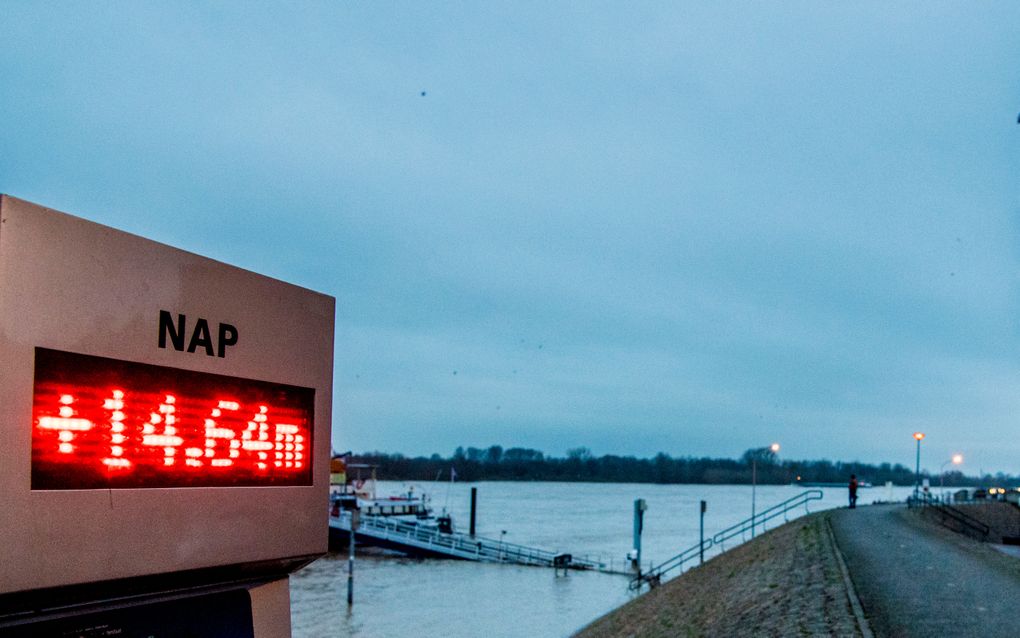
x,y
160,412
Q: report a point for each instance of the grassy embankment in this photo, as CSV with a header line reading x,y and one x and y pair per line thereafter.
x,y
786,582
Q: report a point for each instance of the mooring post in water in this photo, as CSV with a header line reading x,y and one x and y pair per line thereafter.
x,y
639,515
350,560
701,534
474,505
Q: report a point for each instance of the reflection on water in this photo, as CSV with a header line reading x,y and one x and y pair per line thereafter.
x,y
446,598
403,596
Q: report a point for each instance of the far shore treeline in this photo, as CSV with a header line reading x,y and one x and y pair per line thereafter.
x,y
523,464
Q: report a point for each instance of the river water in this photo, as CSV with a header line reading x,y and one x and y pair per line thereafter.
x,y
431,597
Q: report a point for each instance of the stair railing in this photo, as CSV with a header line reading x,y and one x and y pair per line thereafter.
x,y
764,516
947,512
655,574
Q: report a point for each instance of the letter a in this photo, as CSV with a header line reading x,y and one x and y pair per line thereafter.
x,y
201,338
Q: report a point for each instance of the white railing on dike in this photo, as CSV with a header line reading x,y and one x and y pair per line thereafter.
x,y
654,575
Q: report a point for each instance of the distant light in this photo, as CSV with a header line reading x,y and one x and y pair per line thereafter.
x,y
774,447
918,435
957,459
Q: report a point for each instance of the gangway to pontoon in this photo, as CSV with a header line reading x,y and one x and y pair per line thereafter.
x,y
425,540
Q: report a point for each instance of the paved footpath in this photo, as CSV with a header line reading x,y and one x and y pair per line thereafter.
x,y
917,580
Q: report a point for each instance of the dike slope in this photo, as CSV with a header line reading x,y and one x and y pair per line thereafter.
x,y
786,582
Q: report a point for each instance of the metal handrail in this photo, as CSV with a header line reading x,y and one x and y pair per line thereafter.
x,y
958,515
654,575
762,517
476,546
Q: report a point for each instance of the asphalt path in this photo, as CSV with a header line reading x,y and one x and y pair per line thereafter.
x,y
914,578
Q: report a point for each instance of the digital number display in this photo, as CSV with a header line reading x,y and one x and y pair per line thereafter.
x,y
107,423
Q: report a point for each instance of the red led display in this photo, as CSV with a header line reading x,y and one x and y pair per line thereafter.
x,y
100,423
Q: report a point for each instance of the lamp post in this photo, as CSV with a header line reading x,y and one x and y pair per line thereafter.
x,y
956,460
918,436
754,484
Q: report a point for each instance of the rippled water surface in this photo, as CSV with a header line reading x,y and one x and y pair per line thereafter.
x,y
429,597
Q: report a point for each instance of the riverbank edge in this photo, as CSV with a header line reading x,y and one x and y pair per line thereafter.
x,y
787,581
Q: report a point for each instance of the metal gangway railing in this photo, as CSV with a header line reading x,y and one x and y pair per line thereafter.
x,y
415,538
655,574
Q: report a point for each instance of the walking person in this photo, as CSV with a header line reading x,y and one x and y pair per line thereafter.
x,y
853,491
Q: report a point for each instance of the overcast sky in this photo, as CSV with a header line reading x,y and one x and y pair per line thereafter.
x,y
638,227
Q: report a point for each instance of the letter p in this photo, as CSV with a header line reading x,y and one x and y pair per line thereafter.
x,y
228,337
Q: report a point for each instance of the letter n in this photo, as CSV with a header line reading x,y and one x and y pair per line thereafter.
x,y
167,327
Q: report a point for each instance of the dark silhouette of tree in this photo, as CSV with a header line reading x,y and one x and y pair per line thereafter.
x,y
526,464
494,454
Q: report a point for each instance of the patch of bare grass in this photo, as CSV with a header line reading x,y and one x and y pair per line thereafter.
x,y
784,583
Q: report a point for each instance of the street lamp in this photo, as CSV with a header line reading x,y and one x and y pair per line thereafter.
x,y
919,436
956,460
754,483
